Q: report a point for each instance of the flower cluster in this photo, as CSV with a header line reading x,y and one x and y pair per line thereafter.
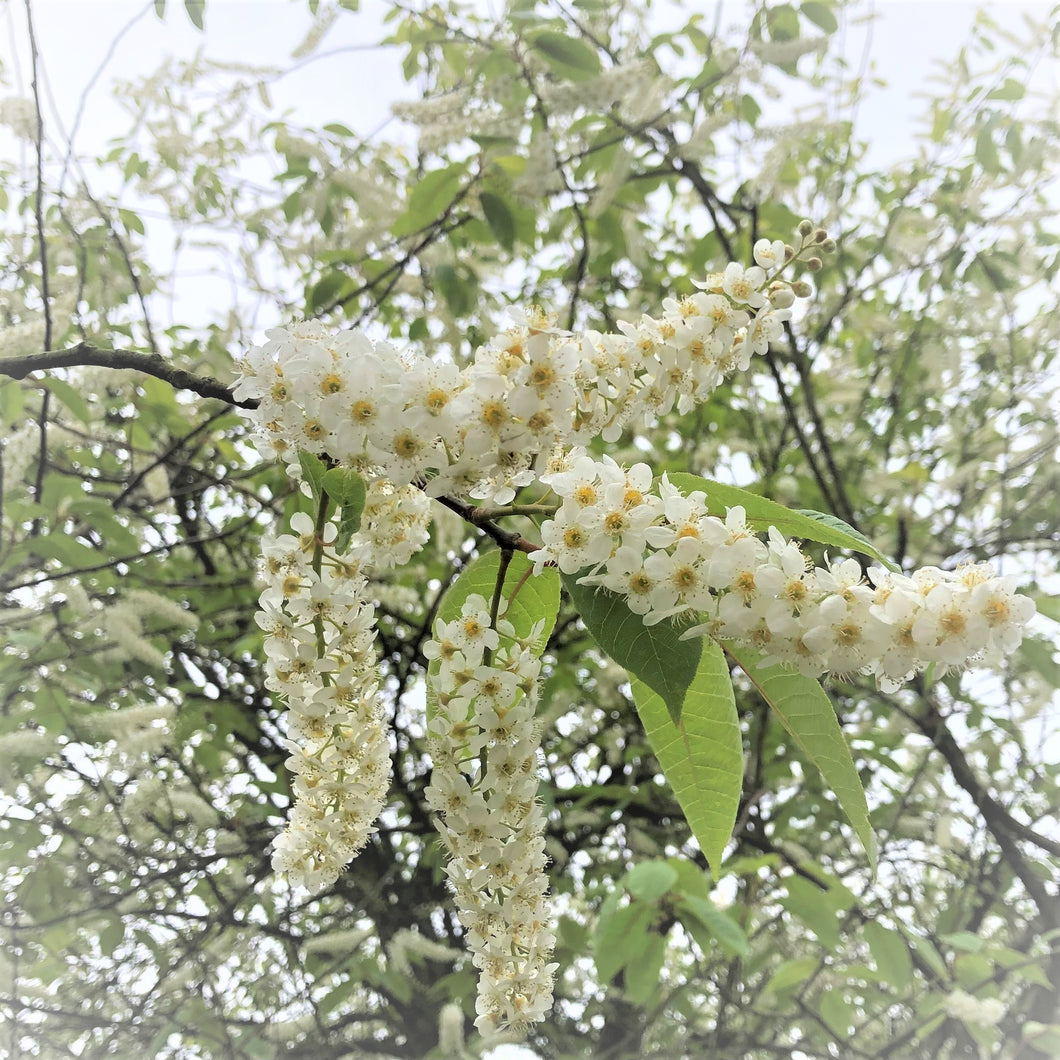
x,y
668,558
484,745
974,1011
483,430
320,652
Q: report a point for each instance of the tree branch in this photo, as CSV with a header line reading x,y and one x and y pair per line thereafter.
x,y
85,353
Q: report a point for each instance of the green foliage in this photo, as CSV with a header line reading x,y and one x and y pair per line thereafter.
x,y
713,904
700,750
656,655
809,717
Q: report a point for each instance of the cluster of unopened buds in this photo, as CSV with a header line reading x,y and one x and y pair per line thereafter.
x,y
661,551
522,411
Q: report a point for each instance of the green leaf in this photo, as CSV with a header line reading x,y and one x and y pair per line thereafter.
x,y
1047,605
806,901
763,513
344,486
835,1011
430,197
621,938
457,288
195,9
499,217
160,8
890,954
642,974
790,974
986,151
537,597
1040,655
71,398
567,56
655,655
701,754
807,713
650,880
963,940
820,14
1010,91
328,291
313,470
12,401
131,221
719,924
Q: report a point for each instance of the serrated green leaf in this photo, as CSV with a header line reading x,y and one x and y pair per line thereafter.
x,y
807,714
890,954
567,55
820,14
701,754
655,655
763,513
650,880
313,470
499,217
344,486
719,924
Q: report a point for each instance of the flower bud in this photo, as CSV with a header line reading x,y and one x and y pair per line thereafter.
x,y
819,235
805,228
828,246
780,296
814,264
801,289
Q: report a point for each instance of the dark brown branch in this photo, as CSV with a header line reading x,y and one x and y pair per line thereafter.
x,y
505,539
999,821
148,363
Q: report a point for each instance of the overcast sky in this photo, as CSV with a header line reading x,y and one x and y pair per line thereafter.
x,y
75,36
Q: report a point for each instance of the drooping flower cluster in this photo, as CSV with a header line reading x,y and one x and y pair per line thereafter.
x,y
484,746
484,430
668,558
320,655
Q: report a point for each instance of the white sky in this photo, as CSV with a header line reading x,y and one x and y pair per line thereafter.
x,y
357,87
88,45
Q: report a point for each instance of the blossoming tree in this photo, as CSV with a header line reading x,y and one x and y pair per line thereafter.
x,y
412,674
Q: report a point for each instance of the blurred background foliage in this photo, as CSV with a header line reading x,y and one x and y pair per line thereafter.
x,y
578,156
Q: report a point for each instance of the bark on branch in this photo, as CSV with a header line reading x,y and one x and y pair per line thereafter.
x,y
149,363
